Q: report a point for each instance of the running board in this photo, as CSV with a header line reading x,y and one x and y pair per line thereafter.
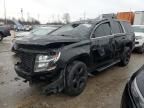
x,y
107,66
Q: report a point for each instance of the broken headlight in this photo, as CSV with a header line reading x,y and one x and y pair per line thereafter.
x,y
46,62
137,96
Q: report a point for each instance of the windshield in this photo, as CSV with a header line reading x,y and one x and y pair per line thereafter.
x,y
42,31
138,29
74,30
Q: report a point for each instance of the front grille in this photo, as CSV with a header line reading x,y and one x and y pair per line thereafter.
x,y
27,61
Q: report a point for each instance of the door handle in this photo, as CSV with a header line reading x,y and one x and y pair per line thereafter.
x,y
94,48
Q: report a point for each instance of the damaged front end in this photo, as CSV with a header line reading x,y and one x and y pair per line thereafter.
x,y
40,64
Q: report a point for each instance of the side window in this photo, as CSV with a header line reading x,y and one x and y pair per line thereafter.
x,y
107,28
127,27
117,27
99,31
103,30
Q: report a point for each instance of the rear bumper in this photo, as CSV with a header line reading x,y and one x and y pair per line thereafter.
x,y
7,33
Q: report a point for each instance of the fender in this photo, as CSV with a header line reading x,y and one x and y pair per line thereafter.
x,y
73,52
127,43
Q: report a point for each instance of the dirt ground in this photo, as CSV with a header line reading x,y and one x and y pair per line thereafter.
x,y
102,91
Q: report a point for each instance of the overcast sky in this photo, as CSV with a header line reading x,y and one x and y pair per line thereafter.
x,y
46,10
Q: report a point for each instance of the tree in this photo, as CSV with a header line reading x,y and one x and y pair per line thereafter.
x,y
66,18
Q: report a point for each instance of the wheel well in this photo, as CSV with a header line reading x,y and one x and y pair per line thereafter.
x,y
83,58
129,44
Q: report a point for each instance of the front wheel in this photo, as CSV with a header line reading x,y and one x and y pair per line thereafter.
x,y
76,78
125,57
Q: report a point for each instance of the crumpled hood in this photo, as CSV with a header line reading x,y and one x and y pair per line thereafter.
x,y
45,40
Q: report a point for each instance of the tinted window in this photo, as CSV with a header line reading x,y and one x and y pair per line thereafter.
x,y
103,30
99,31
127,27
117,27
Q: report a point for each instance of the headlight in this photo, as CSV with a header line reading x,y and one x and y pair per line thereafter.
x,y
137,96
46,62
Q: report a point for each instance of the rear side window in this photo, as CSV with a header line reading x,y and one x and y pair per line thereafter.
x,y
103,30
128,28
117,28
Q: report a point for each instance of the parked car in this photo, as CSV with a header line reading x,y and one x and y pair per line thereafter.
x,y
66,57
4,32
27,27
39,31
133,96
139,37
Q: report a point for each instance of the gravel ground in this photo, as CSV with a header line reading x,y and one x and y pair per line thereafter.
x,y
104,90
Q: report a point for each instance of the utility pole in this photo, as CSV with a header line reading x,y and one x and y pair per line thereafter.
x,y
38,16
84,15
22,13
28,16
58,17
5,12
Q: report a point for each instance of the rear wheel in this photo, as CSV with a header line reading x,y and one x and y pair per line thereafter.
x,y
76,78
125,57
1,37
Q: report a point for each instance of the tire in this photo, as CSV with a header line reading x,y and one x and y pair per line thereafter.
x,y
1,37
141,50
125,57
76,78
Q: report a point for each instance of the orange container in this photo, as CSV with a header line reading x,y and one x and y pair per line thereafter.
x,y
127,16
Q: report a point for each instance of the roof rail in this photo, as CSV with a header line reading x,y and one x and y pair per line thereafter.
x,y
107,16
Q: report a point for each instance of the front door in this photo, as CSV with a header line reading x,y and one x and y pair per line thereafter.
x,y
102,40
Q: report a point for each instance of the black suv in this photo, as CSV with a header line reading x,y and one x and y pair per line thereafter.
x,y
66,57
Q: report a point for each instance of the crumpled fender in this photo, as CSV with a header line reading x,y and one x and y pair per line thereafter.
x,y
72,52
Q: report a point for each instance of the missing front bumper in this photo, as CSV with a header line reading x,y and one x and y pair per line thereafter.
x,y
55,85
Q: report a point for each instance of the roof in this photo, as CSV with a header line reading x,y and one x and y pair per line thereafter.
x,y
92,21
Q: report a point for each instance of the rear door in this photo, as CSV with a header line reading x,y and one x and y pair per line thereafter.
x,y
101,42
119,36
129,32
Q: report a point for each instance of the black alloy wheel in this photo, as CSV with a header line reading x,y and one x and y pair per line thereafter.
x,y
76,78
125,58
